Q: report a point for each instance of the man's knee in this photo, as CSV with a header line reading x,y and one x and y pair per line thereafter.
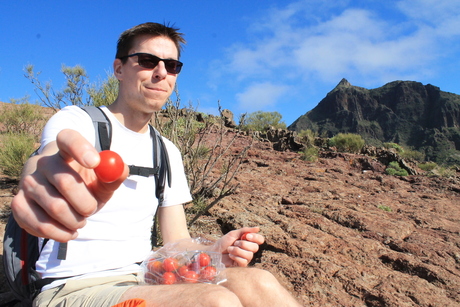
x,y
254,280
219,297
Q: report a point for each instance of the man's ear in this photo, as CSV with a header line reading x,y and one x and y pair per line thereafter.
x,y
117,69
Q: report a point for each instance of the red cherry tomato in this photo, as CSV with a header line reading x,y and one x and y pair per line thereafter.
x,y
243,237
204,259
183,270
111,166
208,273
155,266
191,277
170,264
169,278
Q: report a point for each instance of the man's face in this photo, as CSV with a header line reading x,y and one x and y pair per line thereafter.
x,y
143,89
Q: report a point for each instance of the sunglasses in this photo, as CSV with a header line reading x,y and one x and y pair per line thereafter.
x,y
151,61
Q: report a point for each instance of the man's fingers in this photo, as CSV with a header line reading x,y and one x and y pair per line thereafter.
x,y
240,256
52,202
37,222
61,182
73,146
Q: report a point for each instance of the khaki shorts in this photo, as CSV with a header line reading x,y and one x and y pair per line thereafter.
x,y
100,292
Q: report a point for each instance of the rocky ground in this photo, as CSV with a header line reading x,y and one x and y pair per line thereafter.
x,y
341,232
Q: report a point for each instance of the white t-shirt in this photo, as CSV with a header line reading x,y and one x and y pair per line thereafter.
x,y
118,236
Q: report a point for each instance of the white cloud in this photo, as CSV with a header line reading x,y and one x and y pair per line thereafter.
x,y
260,96
293,42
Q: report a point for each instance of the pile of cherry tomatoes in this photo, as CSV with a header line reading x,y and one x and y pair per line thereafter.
x,y
186,267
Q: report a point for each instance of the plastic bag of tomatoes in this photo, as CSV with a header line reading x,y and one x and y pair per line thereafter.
x,y
181,263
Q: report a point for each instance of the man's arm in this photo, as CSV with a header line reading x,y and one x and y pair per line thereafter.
x,y
173,224
59,189
236,252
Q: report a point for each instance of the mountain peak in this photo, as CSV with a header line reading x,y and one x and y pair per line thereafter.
x,y
343,83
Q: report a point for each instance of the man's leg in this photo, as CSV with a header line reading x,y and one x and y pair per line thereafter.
x,y
244,287
256,287
183,295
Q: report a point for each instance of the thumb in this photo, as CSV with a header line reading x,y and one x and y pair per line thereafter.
x,y
73,146
103,191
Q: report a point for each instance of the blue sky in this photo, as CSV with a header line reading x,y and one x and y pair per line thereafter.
x,y
267,55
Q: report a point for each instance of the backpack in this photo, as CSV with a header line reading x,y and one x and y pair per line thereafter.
x,y
21,249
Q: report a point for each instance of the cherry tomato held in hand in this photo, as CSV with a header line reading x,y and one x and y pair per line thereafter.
x,y
169,278
204,259
111,166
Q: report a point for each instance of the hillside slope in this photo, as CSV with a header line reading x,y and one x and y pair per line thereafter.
x,y
341,232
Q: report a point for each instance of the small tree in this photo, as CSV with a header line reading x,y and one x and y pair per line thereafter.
x,y
261,121
72,94
206,147
105,92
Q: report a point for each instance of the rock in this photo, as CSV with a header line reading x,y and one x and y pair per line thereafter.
x,y
228,118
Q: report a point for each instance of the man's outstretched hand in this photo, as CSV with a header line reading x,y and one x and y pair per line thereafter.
x,y
59,188
239,246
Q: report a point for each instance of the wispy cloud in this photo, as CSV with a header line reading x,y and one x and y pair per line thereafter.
x,y
308,43
260,95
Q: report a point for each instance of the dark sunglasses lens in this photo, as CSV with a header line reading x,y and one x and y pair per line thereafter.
x,y
147,61
150,62
173,66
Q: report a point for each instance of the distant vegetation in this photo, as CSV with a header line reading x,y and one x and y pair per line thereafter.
x,y
348,142
262,121
23,124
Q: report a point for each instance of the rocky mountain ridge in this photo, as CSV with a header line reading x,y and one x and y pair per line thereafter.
x,y
409,113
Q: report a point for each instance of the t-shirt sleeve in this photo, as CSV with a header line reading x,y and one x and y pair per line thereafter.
x,y
179,193
70,117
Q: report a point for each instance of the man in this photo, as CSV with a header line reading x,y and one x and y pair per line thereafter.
x,y
107,225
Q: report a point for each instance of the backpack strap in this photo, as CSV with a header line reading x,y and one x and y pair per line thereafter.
x,y
102,126
161,165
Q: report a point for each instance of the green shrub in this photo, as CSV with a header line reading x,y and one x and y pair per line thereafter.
x,y
310,154
307,137
384,208
443,171
261,121
395,169
427,166
347,142
398,148
15,150
22,117
413,155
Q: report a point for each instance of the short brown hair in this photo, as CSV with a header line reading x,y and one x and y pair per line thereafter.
x,y
125,42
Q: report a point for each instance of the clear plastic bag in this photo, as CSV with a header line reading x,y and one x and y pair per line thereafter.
x,y
183,262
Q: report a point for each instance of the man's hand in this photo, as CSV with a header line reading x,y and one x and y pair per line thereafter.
x,y
238,252
59,188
